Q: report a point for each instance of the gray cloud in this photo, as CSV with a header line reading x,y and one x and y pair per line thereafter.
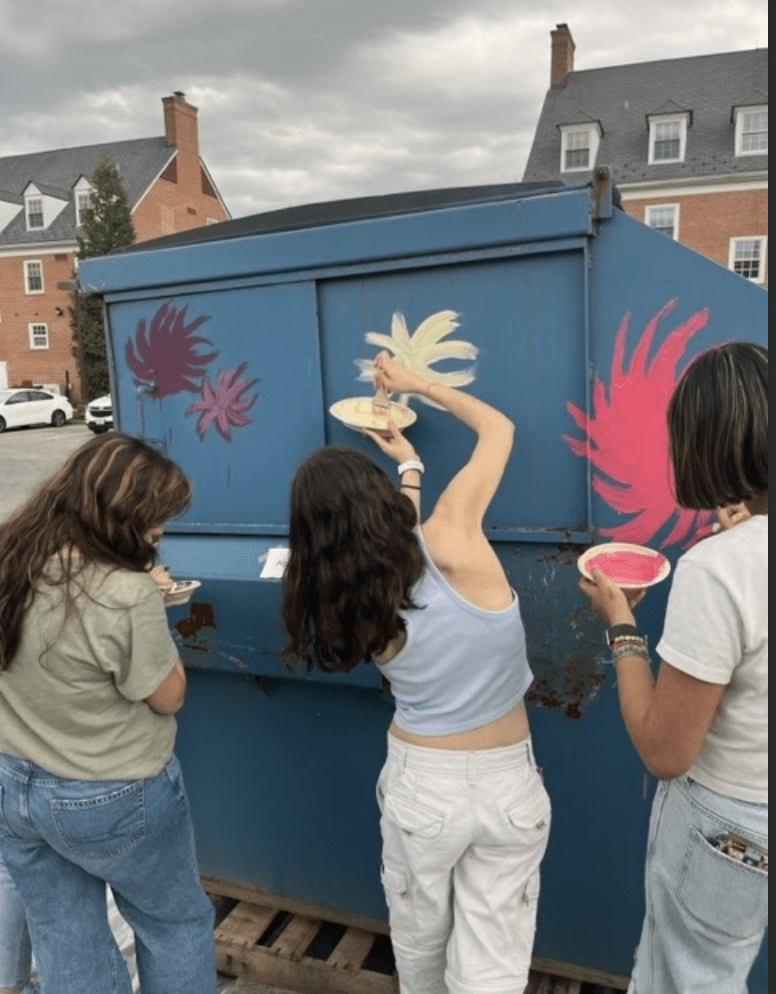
x,y
304,100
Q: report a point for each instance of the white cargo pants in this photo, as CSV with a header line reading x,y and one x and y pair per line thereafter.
x,y
463,836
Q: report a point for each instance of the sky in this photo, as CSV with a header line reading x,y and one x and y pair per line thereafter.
x,y
302,101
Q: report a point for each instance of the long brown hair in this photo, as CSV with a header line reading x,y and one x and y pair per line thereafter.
x,y
96,509
718,427
354,560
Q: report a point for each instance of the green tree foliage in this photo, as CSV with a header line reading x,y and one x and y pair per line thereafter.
x,y
106,225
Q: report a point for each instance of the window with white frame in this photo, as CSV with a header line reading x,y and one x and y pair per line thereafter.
x,y
33,276
747,257
664,218
34,207
39,336
752,130
578,147
667,138
83,201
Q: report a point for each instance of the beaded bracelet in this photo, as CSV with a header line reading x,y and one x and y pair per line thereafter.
x,y
628,640
630,650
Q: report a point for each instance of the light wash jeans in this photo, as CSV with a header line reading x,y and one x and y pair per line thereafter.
x,y
706,912
463,836
16,961
63,840
15,948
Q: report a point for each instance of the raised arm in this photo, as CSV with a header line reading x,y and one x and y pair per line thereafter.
x,y
463,503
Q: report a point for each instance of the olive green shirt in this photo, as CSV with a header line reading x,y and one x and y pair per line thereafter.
x,y
72,700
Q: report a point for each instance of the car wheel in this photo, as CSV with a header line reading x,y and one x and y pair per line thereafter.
x,y
58,418
2,424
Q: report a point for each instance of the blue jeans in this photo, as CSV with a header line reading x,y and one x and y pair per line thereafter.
x,y
62,840
15,948
706,912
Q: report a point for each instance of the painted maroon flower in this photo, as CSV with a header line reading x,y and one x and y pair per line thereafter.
x,y
627,435
225,406
166,356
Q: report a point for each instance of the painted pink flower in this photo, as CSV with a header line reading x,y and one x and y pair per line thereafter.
x,y
224,406
166,356
627,435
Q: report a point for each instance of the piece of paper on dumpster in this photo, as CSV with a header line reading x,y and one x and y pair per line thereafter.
x,y
275,565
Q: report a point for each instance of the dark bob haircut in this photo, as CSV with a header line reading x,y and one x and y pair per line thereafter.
x,y
354,560
718,427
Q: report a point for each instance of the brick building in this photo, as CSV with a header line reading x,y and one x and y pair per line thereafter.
x,y
686,141
42,195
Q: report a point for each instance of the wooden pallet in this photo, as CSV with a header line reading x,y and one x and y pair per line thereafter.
x,y
300,949
301,953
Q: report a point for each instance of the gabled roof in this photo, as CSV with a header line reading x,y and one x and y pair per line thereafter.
x,y
623,97
57,171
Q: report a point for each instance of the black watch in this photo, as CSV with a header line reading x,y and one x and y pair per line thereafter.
x,y
618,631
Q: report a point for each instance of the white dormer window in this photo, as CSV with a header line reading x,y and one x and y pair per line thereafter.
x,y
83,201
578,146
34,207
752,130
667,137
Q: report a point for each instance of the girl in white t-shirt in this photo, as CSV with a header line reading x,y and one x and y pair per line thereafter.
x,y
701,727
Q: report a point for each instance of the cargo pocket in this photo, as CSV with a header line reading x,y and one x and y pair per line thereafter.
x,y
398,897
723,894
102,826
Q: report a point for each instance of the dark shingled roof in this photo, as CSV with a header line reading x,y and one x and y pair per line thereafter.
x,y
57,171
622,97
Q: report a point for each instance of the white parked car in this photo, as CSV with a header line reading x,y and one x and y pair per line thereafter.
x,y
99,414
33,407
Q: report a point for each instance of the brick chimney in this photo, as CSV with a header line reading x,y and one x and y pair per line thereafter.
x,y
181,129
562,54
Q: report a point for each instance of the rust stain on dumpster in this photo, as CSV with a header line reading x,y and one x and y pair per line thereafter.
x,y
200,616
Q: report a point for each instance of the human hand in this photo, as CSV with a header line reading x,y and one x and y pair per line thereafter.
x,y
610,602
392,442
161,574
394,377
732,515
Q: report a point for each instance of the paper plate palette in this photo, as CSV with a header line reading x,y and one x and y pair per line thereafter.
x,y
181,591
356,412
629,566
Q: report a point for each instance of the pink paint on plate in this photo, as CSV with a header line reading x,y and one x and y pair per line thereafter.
x,y
629,566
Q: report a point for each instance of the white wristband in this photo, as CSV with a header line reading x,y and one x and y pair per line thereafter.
x,y
411,464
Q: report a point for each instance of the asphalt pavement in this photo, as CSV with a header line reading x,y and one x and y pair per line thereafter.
x,y
29,455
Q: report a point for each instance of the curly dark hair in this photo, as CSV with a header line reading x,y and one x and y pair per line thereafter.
x,y
354,560
718,427
97,508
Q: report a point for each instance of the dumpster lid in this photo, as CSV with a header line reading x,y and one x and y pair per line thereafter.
x,y
341,211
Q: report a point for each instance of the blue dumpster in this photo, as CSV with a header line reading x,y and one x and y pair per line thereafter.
x,y
227,347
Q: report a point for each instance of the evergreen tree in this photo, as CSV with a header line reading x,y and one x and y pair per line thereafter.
x,y
106,225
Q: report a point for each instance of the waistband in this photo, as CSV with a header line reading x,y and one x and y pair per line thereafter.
x,y
459,763
25,771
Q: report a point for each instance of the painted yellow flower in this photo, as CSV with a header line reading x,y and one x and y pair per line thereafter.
x,y
422,349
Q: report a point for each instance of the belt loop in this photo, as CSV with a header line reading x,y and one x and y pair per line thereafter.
x,y
471,767
530,755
